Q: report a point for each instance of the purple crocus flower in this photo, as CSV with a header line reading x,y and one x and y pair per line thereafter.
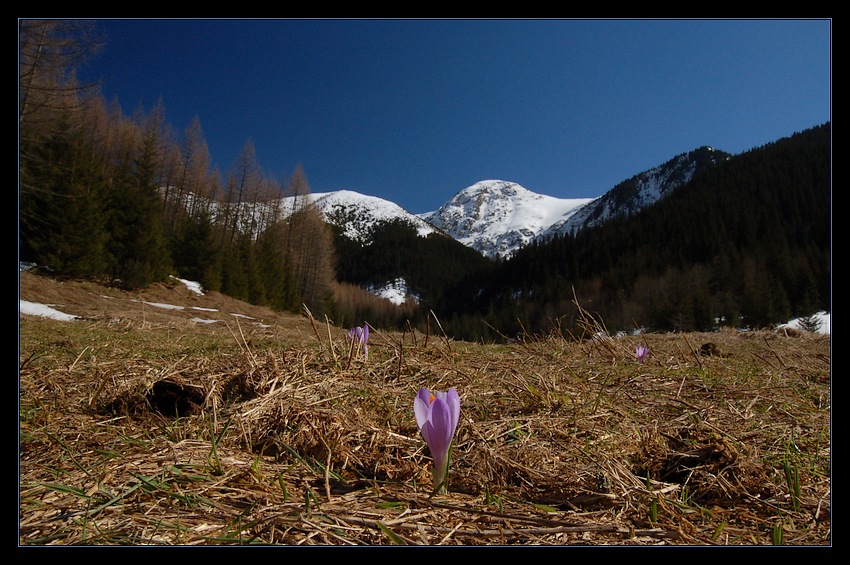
x,y
437,415
360,336
641,352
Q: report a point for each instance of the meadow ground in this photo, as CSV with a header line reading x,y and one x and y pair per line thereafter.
x,y
222,423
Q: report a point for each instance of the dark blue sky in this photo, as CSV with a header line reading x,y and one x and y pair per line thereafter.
x,y
415,110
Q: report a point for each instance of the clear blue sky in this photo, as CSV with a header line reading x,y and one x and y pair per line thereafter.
x,y
415,110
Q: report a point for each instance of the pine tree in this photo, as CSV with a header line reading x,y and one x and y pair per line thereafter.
x,y
49,51
138,240
196,251
279,282
54,195
62,223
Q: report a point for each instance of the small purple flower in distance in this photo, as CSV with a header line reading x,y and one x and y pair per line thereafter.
x,y
641,352
360,336
437,415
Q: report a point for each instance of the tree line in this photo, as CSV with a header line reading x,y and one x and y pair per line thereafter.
x,y
125,199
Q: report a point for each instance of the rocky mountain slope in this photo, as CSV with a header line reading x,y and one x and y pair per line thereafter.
x,y
640,191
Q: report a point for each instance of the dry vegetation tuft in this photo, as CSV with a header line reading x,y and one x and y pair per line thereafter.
x,y
139,425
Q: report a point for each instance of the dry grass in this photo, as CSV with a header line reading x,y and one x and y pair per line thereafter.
x,y
139,426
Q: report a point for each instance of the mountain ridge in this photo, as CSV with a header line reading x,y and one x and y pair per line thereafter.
x,y
497,217
640,190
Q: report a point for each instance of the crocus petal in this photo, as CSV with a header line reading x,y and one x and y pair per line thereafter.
x,y
441,419
453,401
422,406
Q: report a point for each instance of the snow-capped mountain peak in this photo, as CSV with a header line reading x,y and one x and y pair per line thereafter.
x,y
357,214
497,217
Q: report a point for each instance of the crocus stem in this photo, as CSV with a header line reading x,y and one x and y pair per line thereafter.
x,y
440,474
440,483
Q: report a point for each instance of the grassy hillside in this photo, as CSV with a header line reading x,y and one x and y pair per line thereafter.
x,y
141,424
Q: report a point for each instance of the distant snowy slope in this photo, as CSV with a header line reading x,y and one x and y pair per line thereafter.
x,y
357,214
497,217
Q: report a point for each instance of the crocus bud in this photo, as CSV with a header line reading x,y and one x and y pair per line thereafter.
x,y
437,415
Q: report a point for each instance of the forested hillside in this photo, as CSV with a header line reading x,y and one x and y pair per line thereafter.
x,y
429,265
126,199
746,243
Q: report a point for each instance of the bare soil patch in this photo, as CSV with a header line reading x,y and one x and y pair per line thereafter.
x,y
140,425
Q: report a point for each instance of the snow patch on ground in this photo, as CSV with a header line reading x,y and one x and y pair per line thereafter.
x,y
44,310
822,319
191,285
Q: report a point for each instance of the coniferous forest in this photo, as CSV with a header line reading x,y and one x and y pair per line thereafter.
x,y
129,200
744,244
